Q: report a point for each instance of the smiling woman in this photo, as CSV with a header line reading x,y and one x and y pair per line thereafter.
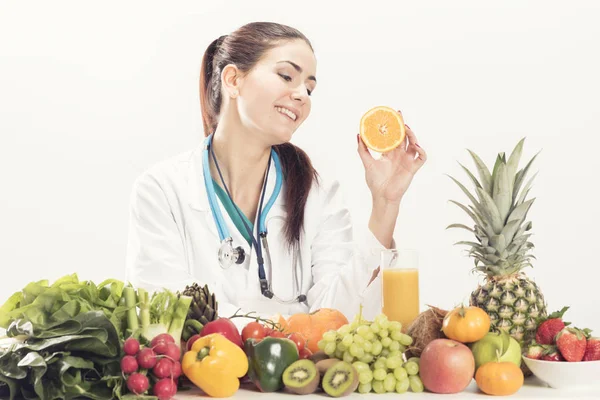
x,y
268,71
204,216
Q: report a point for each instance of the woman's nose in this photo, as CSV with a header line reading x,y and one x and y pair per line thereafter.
x,y
300,94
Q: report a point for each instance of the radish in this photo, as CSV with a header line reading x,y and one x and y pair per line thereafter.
x,y
129,365
165,389
163,336
173,352
160,342
137,383
146,358
163,368
176,370
131,346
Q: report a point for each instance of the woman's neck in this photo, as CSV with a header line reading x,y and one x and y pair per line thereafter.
x,y
243,162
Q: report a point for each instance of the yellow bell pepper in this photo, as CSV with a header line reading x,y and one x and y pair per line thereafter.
x,y
215,364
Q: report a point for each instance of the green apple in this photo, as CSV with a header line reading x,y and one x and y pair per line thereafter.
x,y
496,347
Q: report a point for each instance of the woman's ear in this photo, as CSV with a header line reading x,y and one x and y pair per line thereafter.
x,y
231,79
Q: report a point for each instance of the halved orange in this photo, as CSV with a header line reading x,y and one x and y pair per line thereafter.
x,y
382,129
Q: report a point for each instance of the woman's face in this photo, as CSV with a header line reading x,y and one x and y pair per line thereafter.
x,y
274,97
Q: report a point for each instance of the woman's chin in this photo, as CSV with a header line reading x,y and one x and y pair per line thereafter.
x,y
282,137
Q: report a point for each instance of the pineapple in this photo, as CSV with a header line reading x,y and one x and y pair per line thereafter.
x,y
499,210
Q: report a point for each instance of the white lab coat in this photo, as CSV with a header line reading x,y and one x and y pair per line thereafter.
x,y
173,242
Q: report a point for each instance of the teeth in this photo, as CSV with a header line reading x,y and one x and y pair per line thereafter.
x,y
286,112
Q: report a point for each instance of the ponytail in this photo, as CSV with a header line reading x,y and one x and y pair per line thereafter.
x,y
210,90
299,176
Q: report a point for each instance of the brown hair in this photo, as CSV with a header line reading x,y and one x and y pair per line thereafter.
x,y
244,48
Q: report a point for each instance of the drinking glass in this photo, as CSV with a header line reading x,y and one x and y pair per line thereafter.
x,y
400,283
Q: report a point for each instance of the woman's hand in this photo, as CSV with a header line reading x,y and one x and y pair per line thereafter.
x,y
389,177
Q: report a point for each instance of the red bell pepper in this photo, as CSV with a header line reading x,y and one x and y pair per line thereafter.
x,y
225,327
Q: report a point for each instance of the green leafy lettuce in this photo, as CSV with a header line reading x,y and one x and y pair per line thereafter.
x,y
76,358
43,304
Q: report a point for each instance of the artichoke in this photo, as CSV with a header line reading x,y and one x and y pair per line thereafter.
x,y
204,306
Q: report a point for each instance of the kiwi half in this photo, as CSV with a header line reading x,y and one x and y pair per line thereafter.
x,y
301,377
324,365
341,379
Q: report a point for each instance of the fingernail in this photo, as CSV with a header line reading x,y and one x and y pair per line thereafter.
x,y
358,138
407,126
417,144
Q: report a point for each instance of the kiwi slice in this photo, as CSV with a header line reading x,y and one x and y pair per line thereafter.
x,y
301,377
341,379
324,365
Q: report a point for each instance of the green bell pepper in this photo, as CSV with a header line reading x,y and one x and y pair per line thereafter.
x,y
267,359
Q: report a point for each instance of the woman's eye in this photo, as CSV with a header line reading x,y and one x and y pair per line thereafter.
x,y
289,79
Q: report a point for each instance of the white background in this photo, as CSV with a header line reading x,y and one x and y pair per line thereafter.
x,y
93,93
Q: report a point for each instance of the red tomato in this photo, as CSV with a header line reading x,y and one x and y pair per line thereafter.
x,y
299,340
191,341
277,334
253,330
305,353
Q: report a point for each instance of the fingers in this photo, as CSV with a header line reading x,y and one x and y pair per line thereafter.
x,y
422,155
411,138
413,147
363,152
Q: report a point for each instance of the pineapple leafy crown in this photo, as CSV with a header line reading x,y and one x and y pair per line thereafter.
x,y
499,211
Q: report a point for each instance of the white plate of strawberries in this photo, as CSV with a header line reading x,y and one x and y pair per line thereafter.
x,y
564,357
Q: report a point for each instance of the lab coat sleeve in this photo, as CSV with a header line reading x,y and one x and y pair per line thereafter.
x,y
155,250
341,267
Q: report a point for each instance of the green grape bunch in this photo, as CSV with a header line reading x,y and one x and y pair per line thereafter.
x,y
377,351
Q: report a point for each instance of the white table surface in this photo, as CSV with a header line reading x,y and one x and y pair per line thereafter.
x,y
532,389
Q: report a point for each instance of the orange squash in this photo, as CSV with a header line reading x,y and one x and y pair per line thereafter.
x,y
281,321
312,326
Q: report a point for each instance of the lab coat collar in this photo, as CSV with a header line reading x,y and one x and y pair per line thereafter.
x,y
198,196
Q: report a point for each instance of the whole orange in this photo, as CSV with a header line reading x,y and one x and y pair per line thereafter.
x,y
499,378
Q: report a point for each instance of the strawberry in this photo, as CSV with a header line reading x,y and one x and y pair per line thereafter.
x,y
550,326
592,350
535,351
552,354
571,343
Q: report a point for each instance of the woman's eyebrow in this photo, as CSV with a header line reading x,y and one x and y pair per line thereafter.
x,y
298,68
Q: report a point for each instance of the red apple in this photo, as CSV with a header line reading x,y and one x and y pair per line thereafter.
x,y
446,366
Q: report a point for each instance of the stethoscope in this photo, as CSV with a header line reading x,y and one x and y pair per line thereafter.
x,y
227,254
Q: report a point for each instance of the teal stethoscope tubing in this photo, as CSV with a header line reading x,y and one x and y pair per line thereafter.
x,y
224,235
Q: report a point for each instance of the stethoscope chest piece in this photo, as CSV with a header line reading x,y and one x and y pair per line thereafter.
x,y
229,255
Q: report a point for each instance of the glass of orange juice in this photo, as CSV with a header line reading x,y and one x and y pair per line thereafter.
x,y
400,283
